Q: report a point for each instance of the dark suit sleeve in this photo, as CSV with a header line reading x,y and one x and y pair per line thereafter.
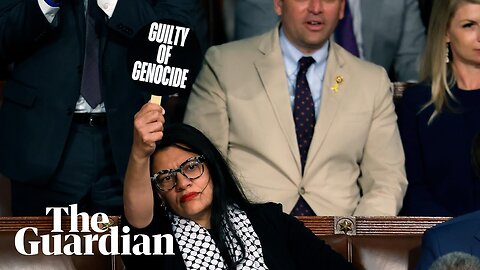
x,y
430,250
419,200
130,16
22,26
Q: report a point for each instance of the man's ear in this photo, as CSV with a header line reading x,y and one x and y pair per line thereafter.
x,y
277,6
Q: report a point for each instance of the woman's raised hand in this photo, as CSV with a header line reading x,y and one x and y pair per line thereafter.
x,y
147,129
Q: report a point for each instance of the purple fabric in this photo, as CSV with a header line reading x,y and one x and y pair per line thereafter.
x,y
344,34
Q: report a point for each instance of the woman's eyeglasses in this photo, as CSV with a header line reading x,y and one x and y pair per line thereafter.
x,y
191,168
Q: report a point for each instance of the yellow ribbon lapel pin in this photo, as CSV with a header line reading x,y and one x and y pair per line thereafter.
x,y
338,81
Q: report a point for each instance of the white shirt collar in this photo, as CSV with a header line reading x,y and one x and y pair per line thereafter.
x,y
291,54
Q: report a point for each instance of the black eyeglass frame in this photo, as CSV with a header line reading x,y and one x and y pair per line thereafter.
x,y
200,159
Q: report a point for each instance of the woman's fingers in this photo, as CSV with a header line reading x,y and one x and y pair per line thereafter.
x,y
148,128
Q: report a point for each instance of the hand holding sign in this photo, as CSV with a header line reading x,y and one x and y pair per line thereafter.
x,y
165,58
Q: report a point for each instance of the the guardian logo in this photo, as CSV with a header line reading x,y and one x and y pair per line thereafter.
x,y
93,229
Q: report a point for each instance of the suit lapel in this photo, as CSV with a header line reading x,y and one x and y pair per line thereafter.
x,y
330,102
271,70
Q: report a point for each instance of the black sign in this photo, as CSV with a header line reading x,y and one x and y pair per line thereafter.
x,y
165,57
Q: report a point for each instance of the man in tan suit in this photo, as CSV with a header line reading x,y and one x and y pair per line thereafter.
x,y
244,100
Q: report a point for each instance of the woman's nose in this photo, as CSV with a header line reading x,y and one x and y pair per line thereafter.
x,y
182,181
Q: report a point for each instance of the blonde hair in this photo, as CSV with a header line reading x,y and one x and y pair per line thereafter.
x,y
433,67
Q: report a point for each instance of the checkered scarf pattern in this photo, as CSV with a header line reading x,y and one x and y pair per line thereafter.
x,y
200,252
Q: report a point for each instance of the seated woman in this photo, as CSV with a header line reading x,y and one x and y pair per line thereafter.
x,y
440,118
201,205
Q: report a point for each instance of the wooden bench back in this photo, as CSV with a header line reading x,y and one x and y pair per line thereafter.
x,y
368,242
374,242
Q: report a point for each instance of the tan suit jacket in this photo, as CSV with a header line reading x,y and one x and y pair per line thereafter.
x,y
355,164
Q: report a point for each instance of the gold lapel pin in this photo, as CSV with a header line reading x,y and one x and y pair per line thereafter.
x,y
338,81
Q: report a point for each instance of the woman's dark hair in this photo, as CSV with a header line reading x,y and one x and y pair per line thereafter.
x,y
226,189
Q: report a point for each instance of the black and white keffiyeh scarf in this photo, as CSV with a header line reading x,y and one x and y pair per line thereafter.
x,y
200,252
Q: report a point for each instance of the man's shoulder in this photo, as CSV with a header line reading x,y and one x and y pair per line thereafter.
x,y
367,77
356,64
458,234
464,223
237,48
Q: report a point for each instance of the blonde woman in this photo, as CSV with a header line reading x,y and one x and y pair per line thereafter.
x,y
439,118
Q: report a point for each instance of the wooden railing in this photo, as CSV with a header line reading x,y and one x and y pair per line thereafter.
x,y
367,242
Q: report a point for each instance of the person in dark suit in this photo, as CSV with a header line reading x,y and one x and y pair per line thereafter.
x,y
438,119
178,183
56,146
444,246
459,234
